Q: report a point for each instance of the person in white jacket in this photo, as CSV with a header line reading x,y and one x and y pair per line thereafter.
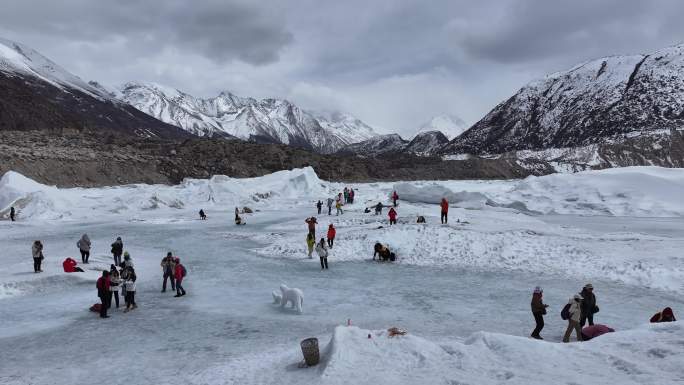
x,y
575,312
322,252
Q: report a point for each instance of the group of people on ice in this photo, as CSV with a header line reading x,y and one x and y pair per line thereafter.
x,y
121,276
579,311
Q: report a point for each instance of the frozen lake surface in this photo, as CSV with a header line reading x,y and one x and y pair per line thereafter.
x,y
227,331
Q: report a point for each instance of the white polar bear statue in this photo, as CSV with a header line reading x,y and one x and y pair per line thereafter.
x,y
295,296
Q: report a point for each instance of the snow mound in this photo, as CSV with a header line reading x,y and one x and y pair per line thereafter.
x,y
34,200
627,357
631,191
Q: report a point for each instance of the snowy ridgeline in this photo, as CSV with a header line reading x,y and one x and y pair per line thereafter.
x,y
37,201
648,354
631,191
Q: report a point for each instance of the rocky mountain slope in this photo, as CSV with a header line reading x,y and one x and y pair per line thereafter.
x,y
614,111
427,143
376,146
38,94
450,125
262,121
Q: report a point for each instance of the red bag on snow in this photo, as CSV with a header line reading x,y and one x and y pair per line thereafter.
x,y
96,307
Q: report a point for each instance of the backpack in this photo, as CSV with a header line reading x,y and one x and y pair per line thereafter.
x,y
183,271
565,313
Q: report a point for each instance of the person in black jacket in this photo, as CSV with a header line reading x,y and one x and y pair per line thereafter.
x,y
117,250
12,213
588,305
538,311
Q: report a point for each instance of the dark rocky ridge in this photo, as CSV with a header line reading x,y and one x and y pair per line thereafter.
x,y
75,158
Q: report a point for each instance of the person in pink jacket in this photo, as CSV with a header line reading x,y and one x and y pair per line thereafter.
x,y
179,274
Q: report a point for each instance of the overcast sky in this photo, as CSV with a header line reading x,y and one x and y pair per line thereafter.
x,y
394,64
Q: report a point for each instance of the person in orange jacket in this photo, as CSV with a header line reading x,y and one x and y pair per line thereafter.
x,y
392,214
179,274
331,235
444,204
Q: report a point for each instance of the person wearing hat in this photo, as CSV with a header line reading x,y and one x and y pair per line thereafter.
x,y
127,262
667,315
575,312
538,311
168,265
117,250
588,305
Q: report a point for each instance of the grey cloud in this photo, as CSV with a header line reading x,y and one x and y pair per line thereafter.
x,y
219,30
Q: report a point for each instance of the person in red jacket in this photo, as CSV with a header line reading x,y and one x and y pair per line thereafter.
x,y
392,214
104,293
395,198
179,274
69,266
667,315
331,235
445,210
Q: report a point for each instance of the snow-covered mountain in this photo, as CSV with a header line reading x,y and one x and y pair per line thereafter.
x,y
376,146
427,143
266,120
634,101
450,125
38,94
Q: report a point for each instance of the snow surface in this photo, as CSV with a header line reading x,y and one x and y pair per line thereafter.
x,y
461,290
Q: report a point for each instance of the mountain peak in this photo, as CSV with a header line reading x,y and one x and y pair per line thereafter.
x,y
450,125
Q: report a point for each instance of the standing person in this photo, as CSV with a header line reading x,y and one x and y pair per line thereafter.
x,y
538,311
351,195
330,204
83,245
104,293
180,273
588,305
127,262
37,253
378,208
202,215
322,252
117,250
310,243
574,311
392,214
331,235
395,198
311,223
444,204
12,213
168,266
114,284
338,206
237,215
128,276
319,206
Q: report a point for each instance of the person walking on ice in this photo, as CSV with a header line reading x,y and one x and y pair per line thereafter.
x,y
12,214
395,198
330,205
104,293
180,274
202,215
538,311
445,210
319,206
37,253
83,245
338,206
310,243
311,224
117,250
168,266
322,252
574,312
331,235
392,214
589,307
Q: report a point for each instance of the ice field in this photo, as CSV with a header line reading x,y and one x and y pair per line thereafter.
x,y
462,290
